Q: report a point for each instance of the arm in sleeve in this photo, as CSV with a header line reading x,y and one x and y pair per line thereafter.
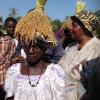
x,y
9,51
19,47
58,83
9,82
12,49
3,52
58,52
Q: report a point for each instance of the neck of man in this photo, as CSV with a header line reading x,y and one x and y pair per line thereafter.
x,y
12,36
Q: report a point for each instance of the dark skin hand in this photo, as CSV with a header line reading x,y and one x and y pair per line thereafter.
x,y
77,66
18,59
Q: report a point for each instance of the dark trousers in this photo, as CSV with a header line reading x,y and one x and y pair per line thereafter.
x,y
2,93
96,94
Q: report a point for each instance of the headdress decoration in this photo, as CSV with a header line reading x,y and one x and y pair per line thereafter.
x,y
36,21
79,7
89,19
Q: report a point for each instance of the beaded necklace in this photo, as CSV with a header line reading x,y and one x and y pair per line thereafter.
x,y
38,78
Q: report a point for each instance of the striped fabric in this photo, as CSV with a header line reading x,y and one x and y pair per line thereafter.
x,y
7,50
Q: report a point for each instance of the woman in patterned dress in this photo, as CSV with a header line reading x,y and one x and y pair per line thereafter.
x,y
35,79
78,57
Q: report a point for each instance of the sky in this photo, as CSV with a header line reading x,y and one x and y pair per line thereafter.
x,y
55,9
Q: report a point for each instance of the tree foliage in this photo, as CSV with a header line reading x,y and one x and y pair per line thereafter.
x,y
18,18
13,12
97,13
56,24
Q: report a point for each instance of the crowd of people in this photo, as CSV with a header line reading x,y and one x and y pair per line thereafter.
x,y
39,64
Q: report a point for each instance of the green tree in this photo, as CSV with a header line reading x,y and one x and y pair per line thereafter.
x,y
13,12
66,17
97,13
18,18
56,24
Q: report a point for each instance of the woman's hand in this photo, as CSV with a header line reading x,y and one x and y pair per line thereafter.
x,y
75,72
18,59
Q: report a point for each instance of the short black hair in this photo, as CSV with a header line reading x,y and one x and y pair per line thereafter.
x,y
10,19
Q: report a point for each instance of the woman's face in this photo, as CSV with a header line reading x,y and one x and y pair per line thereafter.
x,y
76,31
33,52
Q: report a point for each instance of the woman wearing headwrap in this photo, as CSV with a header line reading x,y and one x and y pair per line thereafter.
x,y
81,56
35,79
66,38
52,54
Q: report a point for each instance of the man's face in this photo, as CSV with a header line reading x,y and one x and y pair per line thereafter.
x,y
10,28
